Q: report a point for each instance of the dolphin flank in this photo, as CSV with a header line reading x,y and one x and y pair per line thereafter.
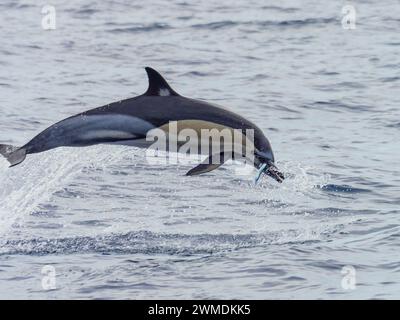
x,y
128,122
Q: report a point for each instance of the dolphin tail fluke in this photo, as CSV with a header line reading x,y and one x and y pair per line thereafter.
x,y
14,155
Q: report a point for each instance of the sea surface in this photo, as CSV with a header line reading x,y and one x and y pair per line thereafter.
x,y
102,223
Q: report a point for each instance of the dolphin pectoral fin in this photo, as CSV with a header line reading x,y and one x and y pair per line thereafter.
x,y
211,163
202,168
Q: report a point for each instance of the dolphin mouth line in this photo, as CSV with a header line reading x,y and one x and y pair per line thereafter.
x,y
274,173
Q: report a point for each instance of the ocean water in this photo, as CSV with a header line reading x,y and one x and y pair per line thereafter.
x,y
112,226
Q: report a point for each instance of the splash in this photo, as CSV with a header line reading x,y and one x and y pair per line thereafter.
x,y
25,187
300,180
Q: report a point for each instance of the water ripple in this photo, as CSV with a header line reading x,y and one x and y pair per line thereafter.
x,y
146,242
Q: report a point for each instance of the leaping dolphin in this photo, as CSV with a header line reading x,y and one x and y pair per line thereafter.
x,y
127,122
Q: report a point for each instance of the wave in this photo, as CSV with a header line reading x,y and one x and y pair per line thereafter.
x,y
146,242
265,23
280,9
134,28
342,188
15,5
337,106
158,26
394,125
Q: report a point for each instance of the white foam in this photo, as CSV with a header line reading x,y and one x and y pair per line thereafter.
x,y
23,188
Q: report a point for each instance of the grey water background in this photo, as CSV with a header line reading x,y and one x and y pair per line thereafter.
x,y
114,226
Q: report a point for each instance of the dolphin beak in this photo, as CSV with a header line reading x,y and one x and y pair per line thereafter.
x,y
270,170
274,173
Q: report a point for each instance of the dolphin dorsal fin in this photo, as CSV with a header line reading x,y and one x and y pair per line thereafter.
x,y
158,86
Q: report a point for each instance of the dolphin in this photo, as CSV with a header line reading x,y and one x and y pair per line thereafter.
x,y
128,122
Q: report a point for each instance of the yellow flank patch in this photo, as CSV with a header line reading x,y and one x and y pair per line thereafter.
x,y
206,130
